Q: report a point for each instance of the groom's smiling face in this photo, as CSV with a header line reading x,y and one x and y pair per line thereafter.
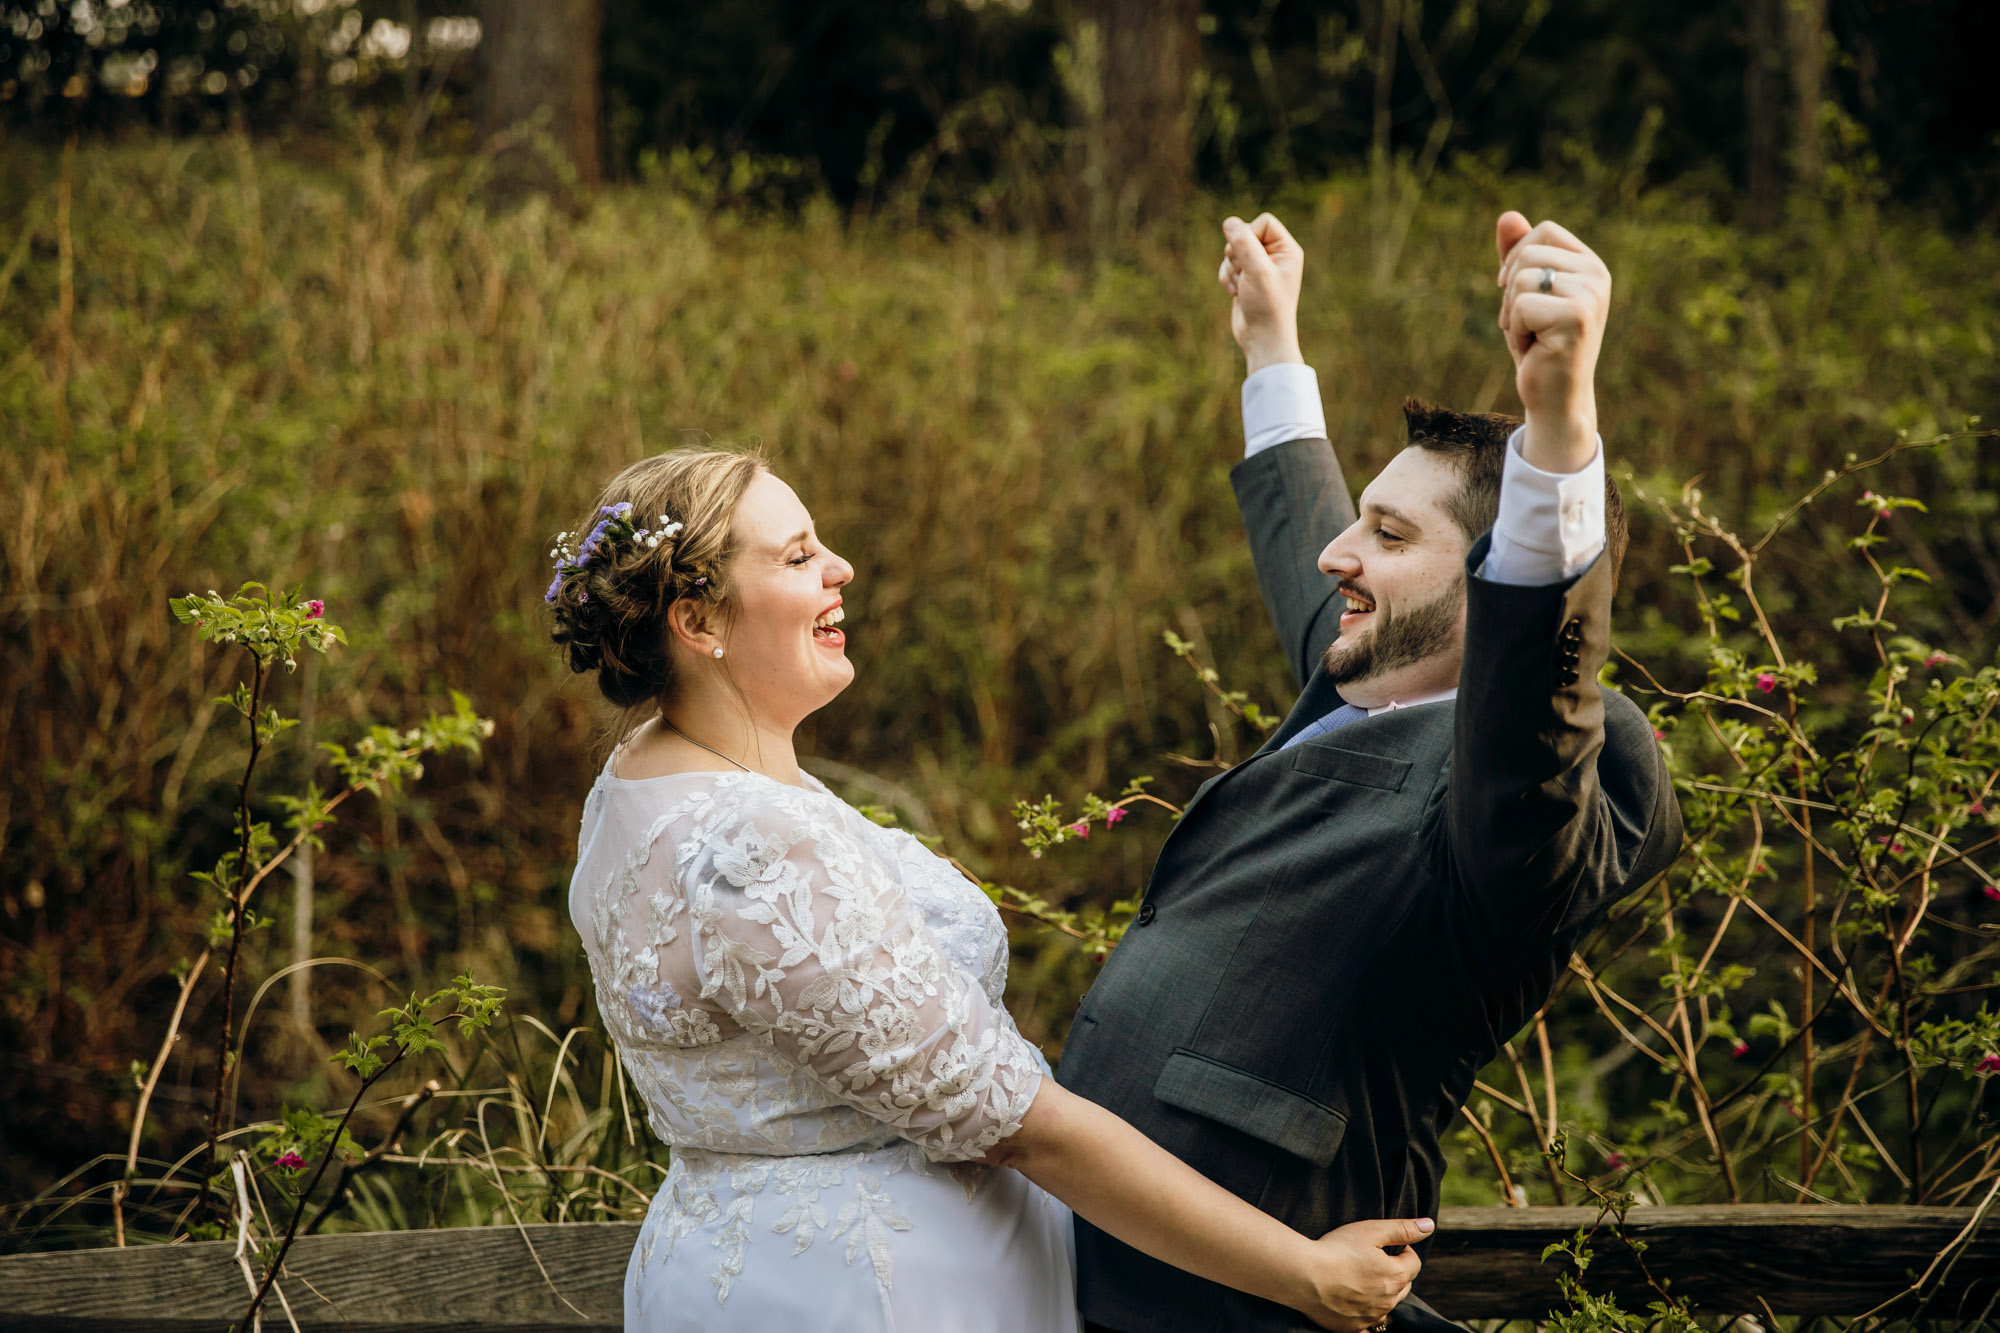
x,y
1401,567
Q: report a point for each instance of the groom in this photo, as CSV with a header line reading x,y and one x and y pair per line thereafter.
x,y
1344,928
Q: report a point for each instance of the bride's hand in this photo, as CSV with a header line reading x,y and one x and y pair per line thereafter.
x,y
1356,1282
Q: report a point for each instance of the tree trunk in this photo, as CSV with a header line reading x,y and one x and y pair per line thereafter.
x,y
1805,34
1761,109
1132,76
538,77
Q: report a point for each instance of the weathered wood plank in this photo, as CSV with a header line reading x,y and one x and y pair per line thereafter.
x,y
471,1280
1484,1263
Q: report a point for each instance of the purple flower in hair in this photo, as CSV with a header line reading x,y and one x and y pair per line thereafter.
x,y
555,586
590,542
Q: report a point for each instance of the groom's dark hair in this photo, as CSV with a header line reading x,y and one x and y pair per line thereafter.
x,y
1476,444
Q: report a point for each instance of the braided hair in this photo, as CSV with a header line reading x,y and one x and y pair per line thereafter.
x,y
662,531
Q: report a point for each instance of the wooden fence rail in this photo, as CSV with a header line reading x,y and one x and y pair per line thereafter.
x,y
1484,1263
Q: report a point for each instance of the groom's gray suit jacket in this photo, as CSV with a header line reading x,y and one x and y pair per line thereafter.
x,y
1338,936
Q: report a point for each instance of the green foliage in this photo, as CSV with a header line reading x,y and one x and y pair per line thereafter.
x,y
361,374
299,1138
413,1028
1236,701
1045,823
297,1150
1822,955
270,625
384,758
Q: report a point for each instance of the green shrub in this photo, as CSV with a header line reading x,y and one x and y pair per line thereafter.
x,y
216,356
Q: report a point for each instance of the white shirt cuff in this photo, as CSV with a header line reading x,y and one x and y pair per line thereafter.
x,y
1551,524
1281,403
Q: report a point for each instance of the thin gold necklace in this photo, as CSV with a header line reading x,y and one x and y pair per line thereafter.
x,y
692,741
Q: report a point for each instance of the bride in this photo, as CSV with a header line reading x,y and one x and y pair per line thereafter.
x,y
810,1004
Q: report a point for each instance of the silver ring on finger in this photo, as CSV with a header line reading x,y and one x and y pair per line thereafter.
x,y
1548,283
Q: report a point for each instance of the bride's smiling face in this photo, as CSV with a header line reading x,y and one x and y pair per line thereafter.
x,y
782,645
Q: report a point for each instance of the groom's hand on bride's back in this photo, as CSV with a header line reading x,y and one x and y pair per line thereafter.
x,y
1363,1281
1262,267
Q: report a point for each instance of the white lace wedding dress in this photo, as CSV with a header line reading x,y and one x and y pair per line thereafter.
x,y
810,1005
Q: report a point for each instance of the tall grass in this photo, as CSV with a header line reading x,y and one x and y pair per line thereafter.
x,y
220,360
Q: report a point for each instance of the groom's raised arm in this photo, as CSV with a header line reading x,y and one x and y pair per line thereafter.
x,y
1289,486
1545,772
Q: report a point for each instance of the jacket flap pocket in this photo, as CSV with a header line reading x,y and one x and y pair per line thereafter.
x,y
1370,770
1258,1107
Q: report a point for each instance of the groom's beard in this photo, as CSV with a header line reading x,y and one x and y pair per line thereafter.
x,y
1398,639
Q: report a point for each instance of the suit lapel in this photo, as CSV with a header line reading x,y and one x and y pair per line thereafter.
x,y
1317,700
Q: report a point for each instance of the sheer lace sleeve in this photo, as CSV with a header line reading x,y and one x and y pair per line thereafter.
x,y
800,931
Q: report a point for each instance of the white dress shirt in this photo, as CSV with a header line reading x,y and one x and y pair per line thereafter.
x,y
1550,526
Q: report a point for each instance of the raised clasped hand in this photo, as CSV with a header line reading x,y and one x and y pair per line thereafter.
x,y
1555,295
1262,268
1359,1281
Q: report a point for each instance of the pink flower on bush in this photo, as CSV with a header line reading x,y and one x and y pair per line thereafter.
x,y
1976,808
1117,813
1080,829
1989,1065
1766,681
1616,1161
315,609
1883,511
1992,891
291,1161
1740,1049
1933,659
1658,734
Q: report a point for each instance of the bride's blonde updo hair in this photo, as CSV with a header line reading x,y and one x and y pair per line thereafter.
x,y
626,564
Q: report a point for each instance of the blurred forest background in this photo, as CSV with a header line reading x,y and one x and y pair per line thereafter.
x,y
370,296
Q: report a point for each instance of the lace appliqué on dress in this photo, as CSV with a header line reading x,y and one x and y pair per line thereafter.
x,y
865,1217
808,1005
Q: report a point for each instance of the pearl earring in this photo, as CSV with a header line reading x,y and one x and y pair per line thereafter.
x,y
718,652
